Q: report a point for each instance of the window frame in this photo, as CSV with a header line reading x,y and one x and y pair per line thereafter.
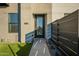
x,y
12,23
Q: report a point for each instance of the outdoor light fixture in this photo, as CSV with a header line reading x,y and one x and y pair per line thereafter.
x,y
3,5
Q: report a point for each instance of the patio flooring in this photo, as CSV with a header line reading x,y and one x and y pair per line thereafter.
x,y
39,48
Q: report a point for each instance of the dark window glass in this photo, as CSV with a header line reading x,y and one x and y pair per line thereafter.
x,y
13,22
39,25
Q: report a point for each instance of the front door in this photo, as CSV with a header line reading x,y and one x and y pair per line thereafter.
x,y
39,26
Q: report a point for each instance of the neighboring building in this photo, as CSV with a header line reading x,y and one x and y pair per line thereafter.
x,y
18,20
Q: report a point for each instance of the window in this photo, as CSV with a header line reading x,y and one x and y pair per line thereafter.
x,y
13,22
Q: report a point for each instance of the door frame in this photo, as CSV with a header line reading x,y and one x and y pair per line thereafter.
x,y
43,15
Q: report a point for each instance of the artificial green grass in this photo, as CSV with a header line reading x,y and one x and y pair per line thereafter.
x,y
16,49
4,50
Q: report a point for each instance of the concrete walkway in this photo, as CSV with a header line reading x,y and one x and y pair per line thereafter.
x,y
39,48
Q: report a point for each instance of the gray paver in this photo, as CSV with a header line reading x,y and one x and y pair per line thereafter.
x,y
39,48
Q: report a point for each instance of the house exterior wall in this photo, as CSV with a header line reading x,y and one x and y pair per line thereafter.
x,y
27,11
4,34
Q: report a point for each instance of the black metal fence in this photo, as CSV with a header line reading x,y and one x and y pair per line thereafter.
x,y
65,34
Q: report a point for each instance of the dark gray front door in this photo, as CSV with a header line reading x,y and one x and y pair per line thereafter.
x,y
39,26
